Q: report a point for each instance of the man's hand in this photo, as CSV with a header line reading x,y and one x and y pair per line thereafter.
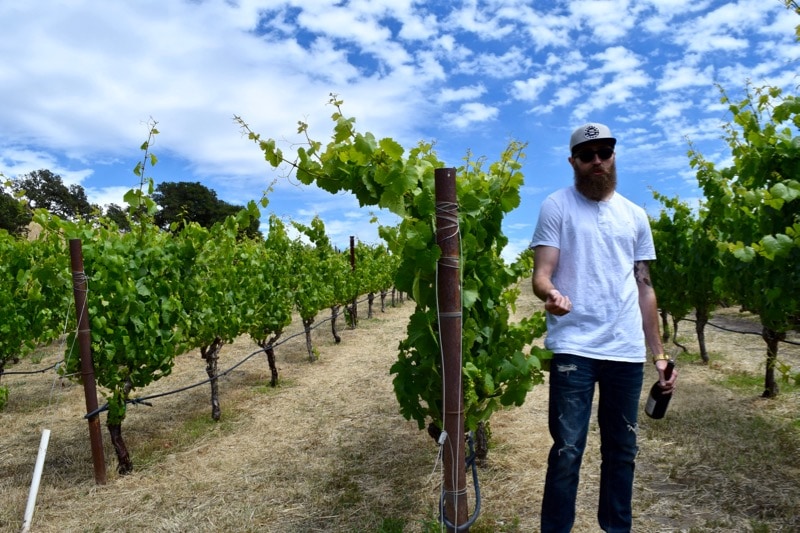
x,y
557,304
667,386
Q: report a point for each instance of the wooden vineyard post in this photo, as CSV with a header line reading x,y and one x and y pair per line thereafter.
x,y
448,290
79,288
354,307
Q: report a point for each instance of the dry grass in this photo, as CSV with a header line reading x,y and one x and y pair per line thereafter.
x,y
327,451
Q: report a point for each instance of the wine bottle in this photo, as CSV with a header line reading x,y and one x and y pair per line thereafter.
x,y
657,401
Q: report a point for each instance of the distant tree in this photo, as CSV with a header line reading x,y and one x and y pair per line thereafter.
x,y
14,215
119,215
46,190
185,202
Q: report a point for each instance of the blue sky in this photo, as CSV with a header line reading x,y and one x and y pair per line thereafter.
x,y
80,80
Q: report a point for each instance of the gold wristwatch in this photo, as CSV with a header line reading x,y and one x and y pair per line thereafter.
x,y
660,357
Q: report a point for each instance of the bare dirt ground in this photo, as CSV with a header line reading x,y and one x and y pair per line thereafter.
x,y
327,450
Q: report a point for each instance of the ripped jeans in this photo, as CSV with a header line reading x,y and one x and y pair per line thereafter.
x,y
572,384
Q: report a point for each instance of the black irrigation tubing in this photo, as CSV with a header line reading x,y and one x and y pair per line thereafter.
x,y
43,370
470,463
723,328
27,372
143,399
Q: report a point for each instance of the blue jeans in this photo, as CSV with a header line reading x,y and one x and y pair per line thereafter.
x,y
572,384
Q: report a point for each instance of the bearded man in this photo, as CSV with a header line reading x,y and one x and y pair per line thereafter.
x,y
591,251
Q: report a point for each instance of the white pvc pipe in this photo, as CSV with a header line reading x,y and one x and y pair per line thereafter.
x,y
37,476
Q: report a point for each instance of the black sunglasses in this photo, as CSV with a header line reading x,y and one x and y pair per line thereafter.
x,y
587,156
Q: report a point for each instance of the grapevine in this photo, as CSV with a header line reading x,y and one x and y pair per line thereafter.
x,y
497,369
34,295
266,268
211,290
687,265
753,208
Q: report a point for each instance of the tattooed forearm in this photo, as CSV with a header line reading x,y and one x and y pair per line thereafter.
x,y
642,273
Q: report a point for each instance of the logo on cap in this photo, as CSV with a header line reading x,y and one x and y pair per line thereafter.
x,y
591,132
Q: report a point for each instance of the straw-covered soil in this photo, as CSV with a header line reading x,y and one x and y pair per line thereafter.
x,y
327,450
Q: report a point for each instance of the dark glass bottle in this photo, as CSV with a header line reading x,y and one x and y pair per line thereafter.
x,y
657,402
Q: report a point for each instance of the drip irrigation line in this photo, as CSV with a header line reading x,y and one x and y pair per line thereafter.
x,y
143,399
470,463
27,372
729,330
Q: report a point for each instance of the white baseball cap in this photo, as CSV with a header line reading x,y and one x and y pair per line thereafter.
x,y
592,131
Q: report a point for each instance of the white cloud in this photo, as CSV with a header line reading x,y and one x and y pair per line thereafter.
x,y
530,89
565,96
672,109
675,8
727,28
544,29
618,59
783,25
663,20
567,64
615,81
512,62
704,43
341,22
471,113
609,20
451,49
418,28
107,195
469,17
462,93
620,90
680,75
15,161
515,247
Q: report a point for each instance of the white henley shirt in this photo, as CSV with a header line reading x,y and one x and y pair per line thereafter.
x,y
598,244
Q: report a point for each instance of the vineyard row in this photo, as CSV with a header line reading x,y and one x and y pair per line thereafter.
x,y
154,295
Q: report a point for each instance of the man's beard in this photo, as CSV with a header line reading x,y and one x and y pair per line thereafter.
x,y
596,186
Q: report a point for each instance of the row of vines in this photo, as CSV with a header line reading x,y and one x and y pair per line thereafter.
x,y
154,295
741,245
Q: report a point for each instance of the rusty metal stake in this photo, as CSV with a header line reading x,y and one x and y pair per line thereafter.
x,y
448,289
79,288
